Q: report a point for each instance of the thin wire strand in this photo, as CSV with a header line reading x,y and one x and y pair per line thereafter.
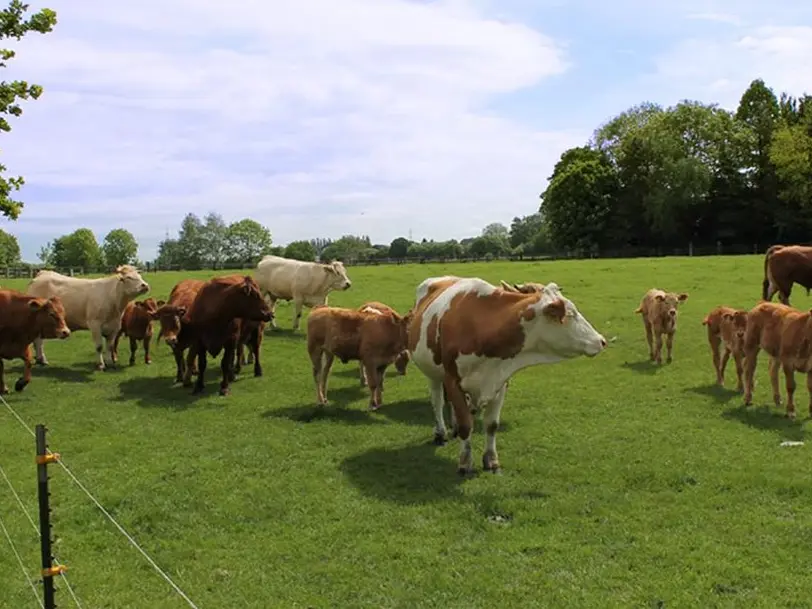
x,y
36,530
106,513
22,566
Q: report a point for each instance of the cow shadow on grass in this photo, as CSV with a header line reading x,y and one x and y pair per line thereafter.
x,y
342,407
420,412
719,394
408,475
78,373
162,392
769,418
645,366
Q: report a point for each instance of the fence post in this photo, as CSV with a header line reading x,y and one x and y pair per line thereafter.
x,y
48,569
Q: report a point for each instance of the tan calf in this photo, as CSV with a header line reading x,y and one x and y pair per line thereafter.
x,y
726,326
402,360
659,311
375,339
785,334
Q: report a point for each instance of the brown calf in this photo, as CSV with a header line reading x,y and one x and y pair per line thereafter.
x,y
659,311
402,360
786,335
726,326
136,324
170,317
251,333
375,339
783,266
22,319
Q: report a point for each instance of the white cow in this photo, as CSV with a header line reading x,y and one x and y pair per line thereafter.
x,y
90,304
469,338
305,283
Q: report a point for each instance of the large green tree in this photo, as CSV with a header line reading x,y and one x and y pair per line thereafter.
x,y
247,241
9,249
120,247
300,250
78,249
14,24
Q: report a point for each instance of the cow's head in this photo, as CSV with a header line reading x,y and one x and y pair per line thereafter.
x,y
555,324
146,307
402,361
667,303
522,288
130,278
337,275
249,303
49,317
737,323
170,318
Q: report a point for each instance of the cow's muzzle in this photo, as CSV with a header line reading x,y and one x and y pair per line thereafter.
x,y
63,334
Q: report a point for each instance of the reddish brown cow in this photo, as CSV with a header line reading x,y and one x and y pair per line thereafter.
x,y
726,326
786,335
375,339
783,266
136,324
402,360
212,323
659,312
170,316
22,319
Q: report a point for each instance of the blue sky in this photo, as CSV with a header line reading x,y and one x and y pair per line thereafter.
x,y
321,117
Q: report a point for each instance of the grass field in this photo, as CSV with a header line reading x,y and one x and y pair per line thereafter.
x,y
623,485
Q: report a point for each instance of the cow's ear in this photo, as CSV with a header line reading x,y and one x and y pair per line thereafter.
x,y
35,305
728,316
682,297
161,303
181,311
556,310
506,286
659,297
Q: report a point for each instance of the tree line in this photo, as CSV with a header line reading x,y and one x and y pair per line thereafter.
x,y
653,177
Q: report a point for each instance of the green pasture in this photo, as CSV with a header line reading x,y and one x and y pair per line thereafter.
x,y
624,484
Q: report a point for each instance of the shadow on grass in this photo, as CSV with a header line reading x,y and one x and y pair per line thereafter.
x,y
75,374
768,418
722,395
308,413
642,367
287,334
408,475
420,412
163,392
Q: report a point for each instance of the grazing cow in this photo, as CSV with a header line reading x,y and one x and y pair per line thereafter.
x,y
659,311
22,319
251,333
136,324
726,326
90,304
522,288
469,338
786,335
783,266
374,338
170,317
212,323
306,283
402,360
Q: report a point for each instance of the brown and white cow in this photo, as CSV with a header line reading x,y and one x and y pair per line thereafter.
x,y
212,323
726,327
469,338
374,338
402,360
783,266
90,304
305,283
659,313
136,324
22,319
785,334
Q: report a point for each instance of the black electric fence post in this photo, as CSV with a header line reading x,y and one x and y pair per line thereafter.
x,y
48,570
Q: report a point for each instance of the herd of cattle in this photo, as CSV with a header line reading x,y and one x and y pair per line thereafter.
x,y
465,335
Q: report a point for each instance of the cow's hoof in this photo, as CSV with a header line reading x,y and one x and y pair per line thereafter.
x,y
465,471
257,373
225,391
42,362
489,464
4,390
132,362
439,439
196,390
668,360
19,385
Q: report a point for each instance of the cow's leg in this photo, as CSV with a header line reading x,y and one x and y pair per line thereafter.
x,y
147,341
493,409
464,422
23,381
750,361
133,349
115,344
98,341
3,388
178,353
438,402
649,338
789,375
362,373
227,367
189,368
658,347
200,351
317,361
669,346
272,306
298,303
253,353
39,346
238,357
720,375
326,366
774,365
374,376
809,389
714,342
737,358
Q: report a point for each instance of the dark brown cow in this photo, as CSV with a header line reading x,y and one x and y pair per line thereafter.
x,y
402,360
212,323
251,333
375,339
727,326
170,316
783,266
136,324
786,335
22,319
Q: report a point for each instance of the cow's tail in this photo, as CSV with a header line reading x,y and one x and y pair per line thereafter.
x,y
765,285
639,309
706,321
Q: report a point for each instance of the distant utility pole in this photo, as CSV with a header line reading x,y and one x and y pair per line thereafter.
x,y
410,234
